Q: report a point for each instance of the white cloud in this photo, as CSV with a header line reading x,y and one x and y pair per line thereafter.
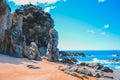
x,y
106,26
49,8
23,2
103,33
101,1
97,32
90,31
64,0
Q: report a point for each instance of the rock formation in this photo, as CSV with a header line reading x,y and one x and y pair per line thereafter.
x,y
52,50
34,53
68,60
72,53
28,32
4,12
90,69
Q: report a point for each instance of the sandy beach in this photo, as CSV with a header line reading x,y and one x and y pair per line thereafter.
x,y
12,68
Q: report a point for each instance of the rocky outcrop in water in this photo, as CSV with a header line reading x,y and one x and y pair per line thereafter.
x,y
114,60
72,53
27,25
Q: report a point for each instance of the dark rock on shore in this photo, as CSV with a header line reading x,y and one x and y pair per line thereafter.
x,y
98,75
71,53
32,67
82,64
84,70
107,69
69,60
90,69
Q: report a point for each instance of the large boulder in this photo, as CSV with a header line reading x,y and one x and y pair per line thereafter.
x,y
84,70
107,69
32,52
69,60
52,50
82,64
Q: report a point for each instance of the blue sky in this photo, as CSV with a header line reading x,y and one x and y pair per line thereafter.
x,y
82,24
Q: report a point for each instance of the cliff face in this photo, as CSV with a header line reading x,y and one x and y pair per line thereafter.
x,y
27,25
4,12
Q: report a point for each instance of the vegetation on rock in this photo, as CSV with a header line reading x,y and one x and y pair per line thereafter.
x,y
36,24
28,24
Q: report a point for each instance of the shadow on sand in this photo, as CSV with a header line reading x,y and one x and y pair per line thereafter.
x,y
13,60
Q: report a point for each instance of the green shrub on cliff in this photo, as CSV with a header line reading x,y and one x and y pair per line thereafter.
x,y
36,24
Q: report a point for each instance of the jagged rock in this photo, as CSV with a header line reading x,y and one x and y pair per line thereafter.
x,y
93,65
98,75
31,52
73,69
69,60
40,30
98,67
4,13
82,64
84,71
17,33
70,53
107,69
114,60
27,24
63,68
90,69
34,52
52,50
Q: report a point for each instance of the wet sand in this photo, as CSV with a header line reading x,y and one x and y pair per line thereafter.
x,y
12,68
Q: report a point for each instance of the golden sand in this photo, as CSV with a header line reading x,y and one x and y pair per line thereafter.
x,y
16,69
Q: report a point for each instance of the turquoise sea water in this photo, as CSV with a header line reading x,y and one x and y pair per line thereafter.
x,y
100,56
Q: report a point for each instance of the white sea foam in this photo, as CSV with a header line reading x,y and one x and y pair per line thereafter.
x,y
114,55
117,67
95,60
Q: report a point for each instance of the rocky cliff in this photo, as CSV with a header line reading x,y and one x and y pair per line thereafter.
x,y
4,16
28,32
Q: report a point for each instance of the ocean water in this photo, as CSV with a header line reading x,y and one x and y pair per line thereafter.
x,y
100,56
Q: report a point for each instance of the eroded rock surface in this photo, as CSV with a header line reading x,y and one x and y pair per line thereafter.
x,y
89,69
29,30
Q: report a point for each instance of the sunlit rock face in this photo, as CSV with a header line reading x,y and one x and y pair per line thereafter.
x,y
27,24
38,27
12,36
4,12
52,50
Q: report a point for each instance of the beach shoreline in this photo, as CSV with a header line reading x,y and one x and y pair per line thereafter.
x,y
17,69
